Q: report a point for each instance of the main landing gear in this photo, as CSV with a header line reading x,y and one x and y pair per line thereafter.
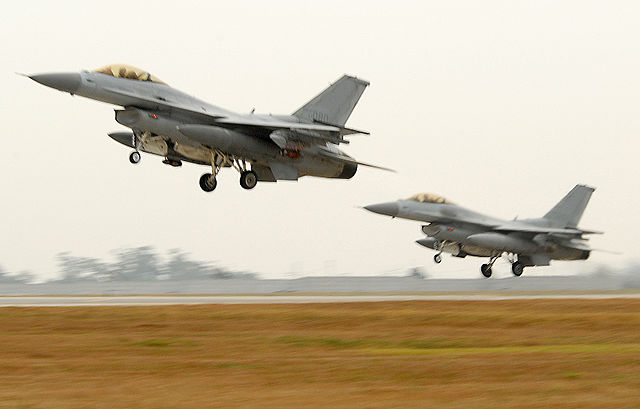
x,y
516,267
208,182
486,268
438,245
248,178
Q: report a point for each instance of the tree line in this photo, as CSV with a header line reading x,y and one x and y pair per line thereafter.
x,y
130,264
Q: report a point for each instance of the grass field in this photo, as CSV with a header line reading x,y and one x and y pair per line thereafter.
x,y
441,354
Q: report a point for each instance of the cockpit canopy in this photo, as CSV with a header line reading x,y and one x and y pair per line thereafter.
x,y
127,71
429,198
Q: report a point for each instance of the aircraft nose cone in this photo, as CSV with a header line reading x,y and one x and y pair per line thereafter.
x,y
389,208
63,81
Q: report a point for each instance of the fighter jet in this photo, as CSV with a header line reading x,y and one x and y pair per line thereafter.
x,y
179,127
462,232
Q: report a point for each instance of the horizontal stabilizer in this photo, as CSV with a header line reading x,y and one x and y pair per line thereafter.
x,y
347,159
343,130
576,244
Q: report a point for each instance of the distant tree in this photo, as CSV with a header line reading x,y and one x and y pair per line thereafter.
x,y
631,275
141,264
83,268
418,272
180,267
136,264
4,277
24,277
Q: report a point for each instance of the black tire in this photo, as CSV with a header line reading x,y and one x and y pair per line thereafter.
x,y
135,157
248,179
486,270
206,184
437,258
517,268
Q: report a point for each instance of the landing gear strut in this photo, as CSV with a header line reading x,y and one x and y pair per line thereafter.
x,y
136,142
486,268
438,245
208,182
219,159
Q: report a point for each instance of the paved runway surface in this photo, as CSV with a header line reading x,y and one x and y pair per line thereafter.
x,y
70,301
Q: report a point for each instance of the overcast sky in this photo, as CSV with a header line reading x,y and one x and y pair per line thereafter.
x,y
501,106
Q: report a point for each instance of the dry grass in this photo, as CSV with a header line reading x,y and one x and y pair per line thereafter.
x,y
443,354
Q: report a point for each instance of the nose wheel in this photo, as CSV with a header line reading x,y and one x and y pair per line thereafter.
x,y
437,258
134,157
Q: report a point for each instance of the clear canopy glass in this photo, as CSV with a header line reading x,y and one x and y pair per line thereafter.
x,y
429,198
127,71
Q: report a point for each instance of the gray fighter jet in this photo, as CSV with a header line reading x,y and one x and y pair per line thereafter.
x,y
528,242
179,127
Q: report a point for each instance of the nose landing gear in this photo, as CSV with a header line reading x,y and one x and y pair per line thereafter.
x,y
136,141
134,157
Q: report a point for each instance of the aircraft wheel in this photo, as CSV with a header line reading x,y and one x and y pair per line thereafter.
x,y
248,179
134,157
517,268
207,183
486,270
437,258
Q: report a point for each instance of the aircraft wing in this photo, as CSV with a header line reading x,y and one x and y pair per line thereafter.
x,y
308,134
273,125
316,133
163,104
523,228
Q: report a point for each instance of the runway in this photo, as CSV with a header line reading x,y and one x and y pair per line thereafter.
x,y
148,300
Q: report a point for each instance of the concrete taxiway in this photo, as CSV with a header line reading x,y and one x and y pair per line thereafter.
x,y
84,301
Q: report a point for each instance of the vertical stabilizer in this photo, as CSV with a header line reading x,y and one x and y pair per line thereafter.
x,y
568,211
335,104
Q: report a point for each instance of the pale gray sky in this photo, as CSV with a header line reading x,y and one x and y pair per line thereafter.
x,y
501,106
